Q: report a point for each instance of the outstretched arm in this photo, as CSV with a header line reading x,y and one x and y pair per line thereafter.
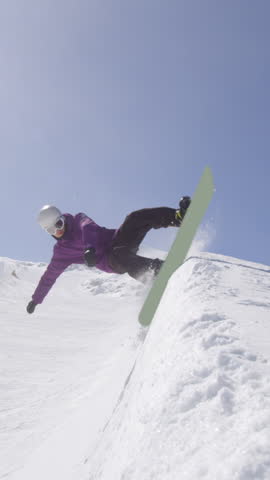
x,y
54,269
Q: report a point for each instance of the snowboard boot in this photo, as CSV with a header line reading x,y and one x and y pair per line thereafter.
x,y
156,265
180,213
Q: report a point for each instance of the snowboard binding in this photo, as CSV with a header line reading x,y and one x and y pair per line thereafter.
x,y
180,213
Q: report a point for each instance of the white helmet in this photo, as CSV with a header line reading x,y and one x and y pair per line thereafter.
x,y
50,218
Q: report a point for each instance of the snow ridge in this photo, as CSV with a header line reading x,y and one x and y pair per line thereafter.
x,y
198,402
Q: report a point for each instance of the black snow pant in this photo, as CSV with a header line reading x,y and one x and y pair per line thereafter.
x,y
122,255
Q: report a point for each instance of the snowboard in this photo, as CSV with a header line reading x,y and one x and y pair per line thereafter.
x,y
180,246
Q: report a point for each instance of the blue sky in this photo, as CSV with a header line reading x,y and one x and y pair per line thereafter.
x,y
115,105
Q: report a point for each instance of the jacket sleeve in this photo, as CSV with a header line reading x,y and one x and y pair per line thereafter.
x,y
89,231
54,269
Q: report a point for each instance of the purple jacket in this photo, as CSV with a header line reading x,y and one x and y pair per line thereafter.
x,y
81,233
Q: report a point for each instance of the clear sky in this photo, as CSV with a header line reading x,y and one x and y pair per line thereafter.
x,y
108,106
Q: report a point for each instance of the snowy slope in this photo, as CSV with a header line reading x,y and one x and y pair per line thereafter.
x,y
73,354
86,396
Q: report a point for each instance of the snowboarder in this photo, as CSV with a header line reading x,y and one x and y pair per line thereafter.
x,y
80,240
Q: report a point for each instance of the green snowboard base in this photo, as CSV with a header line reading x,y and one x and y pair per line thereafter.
x,y
181,245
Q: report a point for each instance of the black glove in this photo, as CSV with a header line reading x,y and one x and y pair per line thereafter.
x,y
31,306
90,257
184,204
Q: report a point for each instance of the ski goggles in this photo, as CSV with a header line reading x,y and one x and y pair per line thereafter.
x,y
59,225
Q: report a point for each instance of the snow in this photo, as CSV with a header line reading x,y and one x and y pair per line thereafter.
x,y
87,393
